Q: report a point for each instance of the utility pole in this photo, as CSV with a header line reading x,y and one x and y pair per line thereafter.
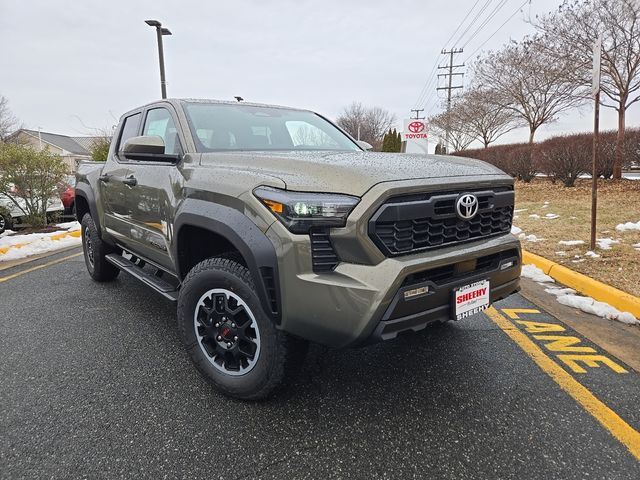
x,y
450,87
417,110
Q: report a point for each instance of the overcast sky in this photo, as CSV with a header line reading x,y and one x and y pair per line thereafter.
x,y
70,67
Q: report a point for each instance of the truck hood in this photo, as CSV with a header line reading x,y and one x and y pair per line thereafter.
x,y
348,172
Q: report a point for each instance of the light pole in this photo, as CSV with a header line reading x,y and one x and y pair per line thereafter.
x,y
160,32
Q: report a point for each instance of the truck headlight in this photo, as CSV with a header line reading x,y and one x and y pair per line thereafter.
x,y
299,211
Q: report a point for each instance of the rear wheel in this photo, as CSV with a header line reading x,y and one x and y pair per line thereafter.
x,y
230,339
95,251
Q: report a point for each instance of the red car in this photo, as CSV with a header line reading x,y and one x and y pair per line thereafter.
x,y
68,195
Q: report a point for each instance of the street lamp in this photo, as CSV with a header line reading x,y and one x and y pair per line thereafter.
x,y
160,32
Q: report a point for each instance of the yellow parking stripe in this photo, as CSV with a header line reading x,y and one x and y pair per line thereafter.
x,y
609,419
38,267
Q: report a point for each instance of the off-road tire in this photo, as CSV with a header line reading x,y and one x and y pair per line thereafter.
x,y
279,353
95,251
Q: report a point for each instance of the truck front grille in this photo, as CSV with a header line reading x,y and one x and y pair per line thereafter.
x,y
416,223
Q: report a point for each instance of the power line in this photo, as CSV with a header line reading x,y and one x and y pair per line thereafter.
x,y
492,14
497,30
460,24
427,93
429,82
475,19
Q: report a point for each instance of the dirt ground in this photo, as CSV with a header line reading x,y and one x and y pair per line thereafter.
x,y
549,214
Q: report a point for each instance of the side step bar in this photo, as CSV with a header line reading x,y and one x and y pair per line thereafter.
x,y
158,284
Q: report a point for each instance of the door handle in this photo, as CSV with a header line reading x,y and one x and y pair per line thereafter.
x,y
104,178
130,180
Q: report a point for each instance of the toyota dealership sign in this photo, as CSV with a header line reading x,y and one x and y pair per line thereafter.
x,y
414,129
415,135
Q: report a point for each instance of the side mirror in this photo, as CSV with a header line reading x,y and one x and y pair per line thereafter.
x,y
364,145
147,148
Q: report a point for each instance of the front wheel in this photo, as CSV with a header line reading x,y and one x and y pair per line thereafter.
x,y
230,339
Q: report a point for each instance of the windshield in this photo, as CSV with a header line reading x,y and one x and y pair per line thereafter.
x,y
221,127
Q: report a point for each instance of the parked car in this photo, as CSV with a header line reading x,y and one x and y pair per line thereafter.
x,y
68,195
12,215
270,227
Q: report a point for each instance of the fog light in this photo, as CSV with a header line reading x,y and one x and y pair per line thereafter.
x,y
415,292
506,265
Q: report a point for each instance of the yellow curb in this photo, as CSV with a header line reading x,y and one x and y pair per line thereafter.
x,y
59,236
602,292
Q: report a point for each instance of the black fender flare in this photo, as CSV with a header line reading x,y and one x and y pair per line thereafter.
x,y
85,191
254,246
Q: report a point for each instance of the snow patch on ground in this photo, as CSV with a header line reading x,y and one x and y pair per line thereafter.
x,y
40,245
530,238
518,210
605,243
571,243
551,216
601,309
535,274
568,296
557,291
6,233
636,246
628,226
36,243
70,226
535,215
515,230
592,254
561,253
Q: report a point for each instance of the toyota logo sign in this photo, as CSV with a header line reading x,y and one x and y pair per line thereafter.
x,y
416,127
467,206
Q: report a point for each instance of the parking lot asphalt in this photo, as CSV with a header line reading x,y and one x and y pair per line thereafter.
x,y
95,384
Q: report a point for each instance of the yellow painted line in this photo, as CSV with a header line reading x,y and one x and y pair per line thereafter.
x,y
586,285
38,267
609,419
58,236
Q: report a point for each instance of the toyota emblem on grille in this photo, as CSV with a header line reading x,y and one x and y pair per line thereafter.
x,y
467,206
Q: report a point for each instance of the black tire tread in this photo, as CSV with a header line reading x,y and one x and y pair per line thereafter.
x,y
289,348
103,271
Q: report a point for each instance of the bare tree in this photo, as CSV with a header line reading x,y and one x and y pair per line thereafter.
x,y
373,122
455,121
487,118
527,81
574,27
8,121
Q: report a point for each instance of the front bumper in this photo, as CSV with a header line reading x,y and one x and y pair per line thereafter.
x,y
357,303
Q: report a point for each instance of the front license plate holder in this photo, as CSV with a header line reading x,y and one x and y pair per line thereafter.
x,y
471,299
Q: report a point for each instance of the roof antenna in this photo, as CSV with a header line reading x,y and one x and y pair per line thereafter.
x,y
239,98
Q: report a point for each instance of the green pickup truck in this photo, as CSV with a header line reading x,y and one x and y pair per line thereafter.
x,y
271,227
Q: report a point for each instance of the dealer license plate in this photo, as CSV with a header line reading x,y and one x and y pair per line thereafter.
x,y
471,299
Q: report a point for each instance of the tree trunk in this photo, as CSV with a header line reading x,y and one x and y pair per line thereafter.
x,y
617,163
532,132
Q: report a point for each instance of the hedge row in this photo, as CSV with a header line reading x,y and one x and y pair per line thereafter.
x,y
562,158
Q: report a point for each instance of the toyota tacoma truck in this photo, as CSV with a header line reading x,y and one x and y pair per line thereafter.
x,y
271,227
